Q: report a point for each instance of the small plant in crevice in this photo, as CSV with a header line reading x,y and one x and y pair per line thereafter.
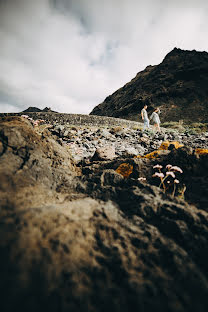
x,y
169,180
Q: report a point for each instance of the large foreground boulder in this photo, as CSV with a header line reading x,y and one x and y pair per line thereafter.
x,y
87,255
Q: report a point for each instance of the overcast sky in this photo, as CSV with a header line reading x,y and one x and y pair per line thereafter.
x,y
71,54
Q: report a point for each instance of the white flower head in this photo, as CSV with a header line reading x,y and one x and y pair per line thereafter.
x,y
157,166
158,175
176,181
169,167
177,169
170,173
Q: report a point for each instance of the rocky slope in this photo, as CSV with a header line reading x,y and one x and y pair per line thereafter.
x,y
178,86
83,141
77,235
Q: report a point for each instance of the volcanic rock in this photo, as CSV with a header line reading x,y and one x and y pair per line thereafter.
x,y
131,151
104,153
89,239
110,177
31,163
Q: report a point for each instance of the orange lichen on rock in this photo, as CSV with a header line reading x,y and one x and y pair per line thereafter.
x,y
125,170
162,149
151,155
166,144
201,151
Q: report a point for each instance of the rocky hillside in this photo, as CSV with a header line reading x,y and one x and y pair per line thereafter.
x,y
85,226
178,86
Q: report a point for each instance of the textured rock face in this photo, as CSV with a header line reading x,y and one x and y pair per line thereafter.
x,y
88,239
31,163
89,256
178,85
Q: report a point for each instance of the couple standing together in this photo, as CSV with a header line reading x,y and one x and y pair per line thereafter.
x,y
154,117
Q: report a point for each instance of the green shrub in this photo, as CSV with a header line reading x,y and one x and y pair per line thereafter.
x,y
174,125
201,127
180,126
193,130
169,124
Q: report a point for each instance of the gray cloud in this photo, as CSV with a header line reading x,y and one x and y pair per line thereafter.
x,y
70,55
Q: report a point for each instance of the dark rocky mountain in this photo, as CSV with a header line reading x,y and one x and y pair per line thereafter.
x,y
179,86
48,109
32,109
36,110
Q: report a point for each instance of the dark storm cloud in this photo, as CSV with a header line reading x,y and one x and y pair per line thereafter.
x,y
70,55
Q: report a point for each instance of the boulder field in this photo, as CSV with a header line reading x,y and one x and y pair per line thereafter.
x,y
81,231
